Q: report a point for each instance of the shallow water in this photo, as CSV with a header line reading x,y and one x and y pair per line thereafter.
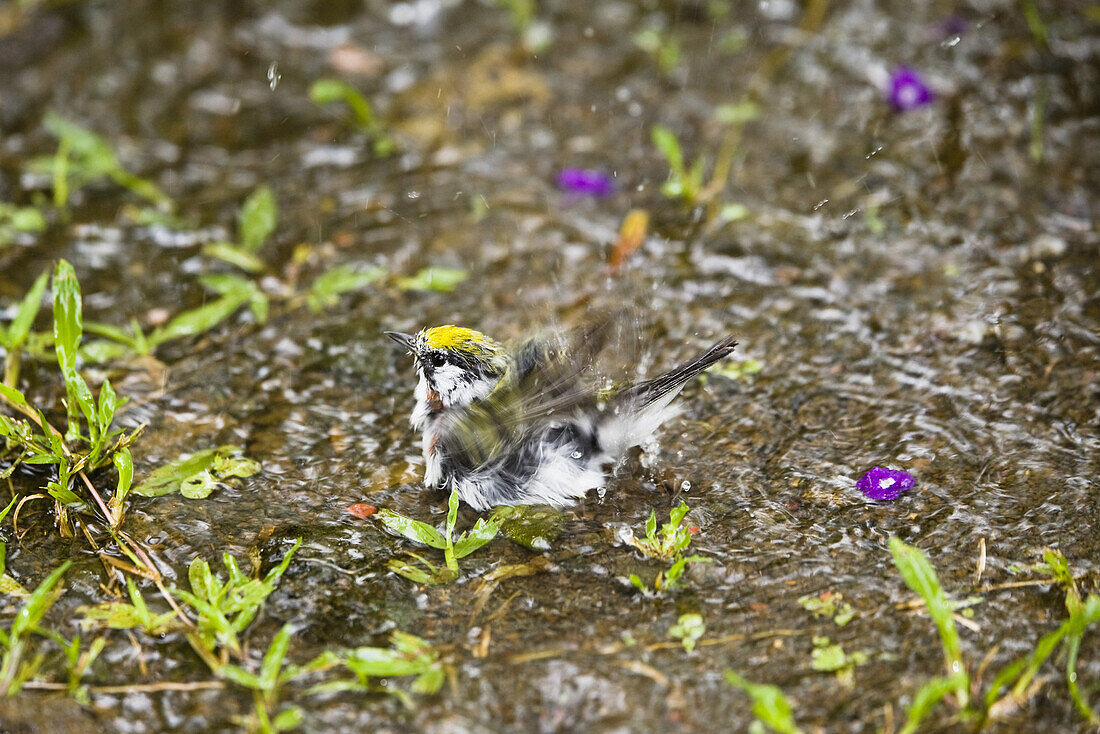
x,y
921,293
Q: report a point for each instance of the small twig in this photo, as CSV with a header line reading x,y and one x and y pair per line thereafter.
x,y
28,498
526,657
970,624
636,666
1015,585
127,567
158,579
500,610
107,514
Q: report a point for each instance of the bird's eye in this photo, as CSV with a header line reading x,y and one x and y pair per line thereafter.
x,y
436,360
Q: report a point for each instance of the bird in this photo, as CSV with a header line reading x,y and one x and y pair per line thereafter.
x,y
528,425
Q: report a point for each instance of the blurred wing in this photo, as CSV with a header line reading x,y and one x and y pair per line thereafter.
x,y
545,383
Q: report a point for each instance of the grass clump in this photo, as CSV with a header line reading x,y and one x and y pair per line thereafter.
x,y
1014,684
328,92
425,572
666,544
225,608
16,642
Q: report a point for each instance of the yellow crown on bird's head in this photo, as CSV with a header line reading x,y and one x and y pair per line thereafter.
x,y
456,338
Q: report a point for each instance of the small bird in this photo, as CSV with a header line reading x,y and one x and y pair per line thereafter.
x,y
526,426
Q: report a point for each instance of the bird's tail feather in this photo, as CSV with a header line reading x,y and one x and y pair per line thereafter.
x,y
651,391
639,410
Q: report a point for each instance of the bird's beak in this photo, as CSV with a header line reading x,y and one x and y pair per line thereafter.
x,y
404,340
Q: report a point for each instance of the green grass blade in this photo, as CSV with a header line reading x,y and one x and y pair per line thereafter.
x,y
769,705
258,217
666,142
273,660
38,603
240,676
919,576
28,309
928,696
414,530
67,330
482,532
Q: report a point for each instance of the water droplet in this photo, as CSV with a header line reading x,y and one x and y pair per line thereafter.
x,y
874,152
576,455
413,194
273,76
685,486
820,204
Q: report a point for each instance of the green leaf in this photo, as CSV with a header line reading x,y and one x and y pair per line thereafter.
x,y
429,681
277,572
65,496
220,463
828,658
240,676
234,466
733,212
12,395
124,465
666,142
201,579
379,662
234,255
919,576
27,219
199,485
651,526
412,573
199,320
11,587
480,534
735,370
688,629
443,280
108,404
769,704
273,660
729,114
329,286
414,530
330,91
928,696
3,514
67,331
676,516
290,718
1085,615
28,309
227,284
258,217
38,603
91,156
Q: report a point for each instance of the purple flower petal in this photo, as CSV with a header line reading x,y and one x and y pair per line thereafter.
x,y
883,485
907,90
954,25
586,181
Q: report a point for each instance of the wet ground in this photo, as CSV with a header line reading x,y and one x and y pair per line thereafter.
x,y
920,287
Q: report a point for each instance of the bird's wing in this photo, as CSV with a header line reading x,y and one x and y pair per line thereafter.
x,y
544,384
